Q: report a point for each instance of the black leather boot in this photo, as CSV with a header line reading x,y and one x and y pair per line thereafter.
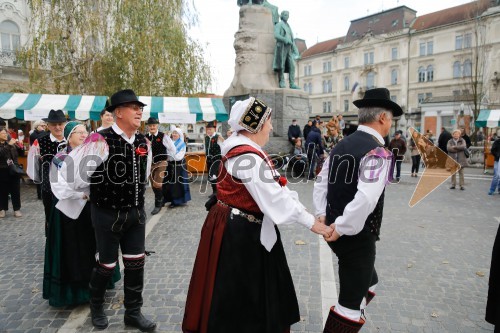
x,y
133,285
156,210
98,282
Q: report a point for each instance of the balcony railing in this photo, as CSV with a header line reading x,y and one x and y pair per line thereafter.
x,y
8,58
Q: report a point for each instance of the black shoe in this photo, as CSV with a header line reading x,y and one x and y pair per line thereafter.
x,y
136,319
172,206
462,188
156,210
452,188
99,318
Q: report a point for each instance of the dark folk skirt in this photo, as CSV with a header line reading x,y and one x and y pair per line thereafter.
x,y
69,258
176,187
70,249
493,304
236,285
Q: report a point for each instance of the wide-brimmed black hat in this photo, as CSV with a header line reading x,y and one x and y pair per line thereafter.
x,y
122,97
380,97
55,116
211,124
152,121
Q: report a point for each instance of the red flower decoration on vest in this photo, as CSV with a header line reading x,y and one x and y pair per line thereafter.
x,y
158,140
141,151
282,181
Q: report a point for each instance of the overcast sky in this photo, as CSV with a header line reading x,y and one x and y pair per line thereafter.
x,y
312,20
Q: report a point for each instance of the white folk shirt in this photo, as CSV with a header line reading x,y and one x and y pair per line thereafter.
x,y
352,221
89,156
279,204
33,167
172,153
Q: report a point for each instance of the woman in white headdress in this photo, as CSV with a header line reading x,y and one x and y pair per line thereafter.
x,y
241,281
176,188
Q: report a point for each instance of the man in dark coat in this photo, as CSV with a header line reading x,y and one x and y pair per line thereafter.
x,y
398,148
443,139
294,132
307,128
314,148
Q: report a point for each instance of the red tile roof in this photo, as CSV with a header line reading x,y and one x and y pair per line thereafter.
x,y
451,15
380,23
323,47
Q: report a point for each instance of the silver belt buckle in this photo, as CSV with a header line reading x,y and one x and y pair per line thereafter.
x,y
235,211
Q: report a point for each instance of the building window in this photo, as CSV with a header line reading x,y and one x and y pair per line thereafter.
x,y
394,98
430,73
430,48
467,68
305,87
346,105
346,62
456,93
421,74
327,86
370,80
422,49
394,76
369,58
456,70
421,98
394,53
467,40
347,85
10,36
327,107
459,42
307,70
310,88
327,67
428,96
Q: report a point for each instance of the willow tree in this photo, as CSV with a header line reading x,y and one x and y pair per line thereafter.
x,y
100,46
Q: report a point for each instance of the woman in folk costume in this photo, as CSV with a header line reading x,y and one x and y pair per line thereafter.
x,y
176,188
70,245
241,281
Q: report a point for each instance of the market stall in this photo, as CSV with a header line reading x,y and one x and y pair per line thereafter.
x,y
173,110
490,120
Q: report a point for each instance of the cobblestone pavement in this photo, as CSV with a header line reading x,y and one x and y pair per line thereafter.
x,y
433,263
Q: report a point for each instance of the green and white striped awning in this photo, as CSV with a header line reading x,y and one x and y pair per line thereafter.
x,y
37,106
488,118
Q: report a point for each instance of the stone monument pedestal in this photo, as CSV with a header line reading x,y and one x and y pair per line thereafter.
x,y
254,76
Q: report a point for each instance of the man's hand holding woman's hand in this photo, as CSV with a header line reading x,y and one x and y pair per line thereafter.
x,y
333,235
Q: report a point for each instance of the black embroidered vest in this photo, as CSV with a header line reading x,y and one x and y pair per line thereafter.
x,y
212,147
119,182
158,149
343,178
48,150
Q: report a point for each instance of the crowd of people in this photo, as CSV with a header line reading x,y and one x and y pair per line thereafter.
x,y
93,210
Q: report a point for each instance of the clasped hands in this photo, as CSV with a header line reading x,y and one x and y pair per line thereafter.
x,y
328,232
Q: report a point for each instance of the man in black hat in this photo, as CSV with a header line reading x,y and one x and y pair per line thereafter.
x,y
121,161
349,196
212,153
159,162
43,151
